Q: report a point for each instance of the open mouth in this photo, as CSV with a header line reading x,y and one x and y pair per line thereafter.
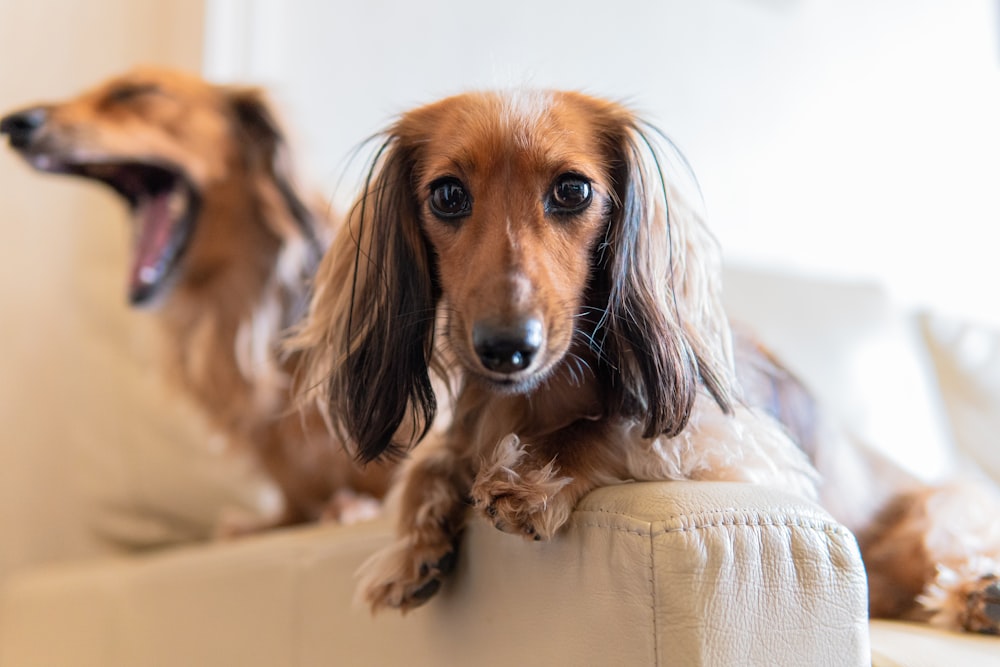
x,y
163,205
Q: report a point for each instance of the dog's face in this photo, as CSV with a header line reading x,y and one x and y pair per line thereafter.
x,y
537,222
159,138
513,194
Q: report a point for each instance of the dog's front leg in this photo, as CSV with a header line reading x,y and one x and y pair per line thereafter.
x,y
432,506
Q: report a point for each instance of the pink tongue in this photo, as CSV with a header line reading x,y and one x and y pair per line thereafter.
x,y
152,238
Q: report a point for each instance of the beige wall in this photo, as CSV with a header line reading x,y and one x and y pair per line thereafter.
x,y
62,248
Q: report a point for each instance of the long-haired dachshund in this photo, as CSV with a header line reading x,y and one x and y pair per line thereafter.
x,y
223,248
583,336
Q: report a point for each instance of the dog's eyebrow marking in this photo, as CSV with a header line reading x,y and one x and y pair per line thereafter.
x,y
129,90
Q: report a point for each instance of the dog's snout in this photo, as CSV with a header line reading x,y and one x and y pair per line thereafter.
x,y
22,125
507,348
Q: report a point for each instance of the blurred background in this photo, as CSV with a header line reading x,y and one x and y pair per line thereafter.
x,y
854,141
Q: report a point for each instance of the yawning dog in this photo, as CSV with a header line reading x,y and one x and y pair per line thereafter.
x,y
223,250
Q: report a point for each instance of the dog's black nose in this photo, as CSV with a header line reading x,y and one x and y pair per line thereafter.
x,y
21,126
507,348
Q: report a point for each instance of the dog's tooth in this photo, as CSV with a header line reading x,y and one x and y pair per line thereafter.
x,y
148,275
176,203
42,162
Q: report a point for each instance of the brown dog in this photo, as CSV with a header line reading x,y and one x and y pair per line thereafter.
x,y
223,249
583,320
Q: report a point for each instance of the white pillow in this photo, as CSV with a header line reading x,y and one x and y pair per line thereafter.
x,y
861,355
967,358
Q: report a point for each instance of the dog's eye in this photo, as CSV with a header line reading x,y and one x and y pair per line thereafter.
x,y
570,194
449,199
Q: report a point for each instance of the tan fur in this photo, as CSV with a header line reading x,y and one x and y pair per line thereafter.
x,y
244,274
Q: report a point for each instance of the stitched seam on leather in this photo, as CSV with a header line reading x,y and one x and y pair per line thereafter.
x,y
652,599
794,509
747,516
826,528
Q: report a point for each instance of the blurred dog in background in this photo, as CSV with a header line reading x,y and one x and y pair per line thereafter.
x,y
223,250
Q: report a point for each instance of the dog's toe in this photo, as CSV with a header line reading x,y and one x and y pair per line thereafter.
x,y
428,581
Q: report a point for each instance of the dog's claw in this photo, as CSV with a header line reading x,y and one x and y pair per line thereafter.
x,y
447,563
426,591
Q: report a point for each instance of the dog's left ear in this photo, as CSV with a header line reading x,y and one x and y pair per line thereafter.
x,y
667,334
256,128
265,154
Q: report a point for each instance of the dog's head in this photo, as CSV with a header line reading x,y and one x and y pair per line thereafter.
x,y
539,222
161,139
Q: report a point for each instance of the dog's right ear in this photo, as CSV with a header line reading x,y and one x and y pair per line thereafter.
x,y
370,331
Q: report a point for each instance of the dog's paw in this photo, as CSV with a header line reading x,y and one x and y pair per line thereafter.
x,y
965,600
517,498
404,576
983,604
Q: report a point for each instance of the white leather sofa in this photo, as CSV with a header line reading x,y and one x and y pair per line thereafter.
x,y
111,488
646,574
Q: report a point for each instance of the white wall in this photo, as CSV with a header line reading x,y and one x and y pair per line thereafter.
x,y
852,138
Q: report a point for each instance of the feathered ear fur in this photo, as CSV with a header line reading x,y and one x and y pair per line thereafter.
x,y
371,329
660,271
265,154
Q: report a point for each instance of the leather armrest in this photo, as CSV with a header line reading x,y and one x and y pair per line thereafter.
x,y
674,573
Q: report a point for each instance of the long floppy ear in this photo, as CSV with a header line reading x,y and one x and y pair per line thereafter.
x,y
266,158
660,269
370,332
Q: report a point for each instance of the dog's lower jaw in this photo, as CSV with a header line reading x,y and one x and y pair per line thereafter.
x,y
508,386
